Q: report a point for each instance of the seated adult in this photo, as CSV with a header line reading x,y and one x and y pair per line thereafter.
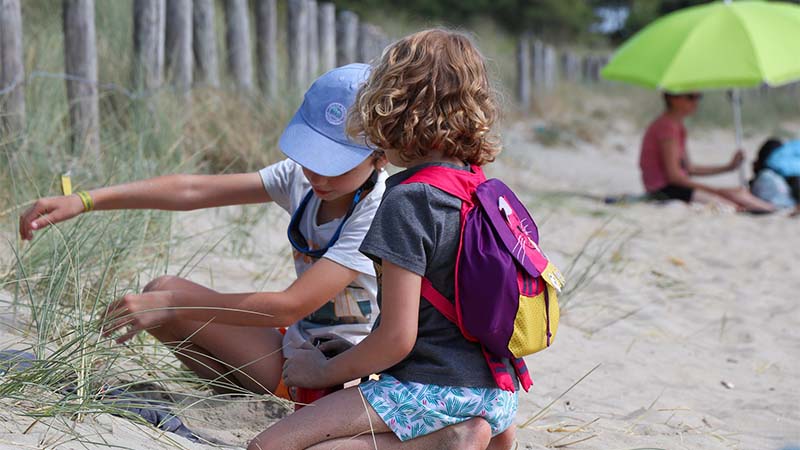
x,y
667,169
776,173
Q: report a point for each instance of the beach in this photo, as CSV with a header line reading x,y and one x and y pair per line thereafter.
x,y
678,328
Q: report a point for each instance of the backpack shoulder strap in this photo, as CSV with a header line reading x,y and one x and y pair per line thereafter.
x,y
458,183
439,301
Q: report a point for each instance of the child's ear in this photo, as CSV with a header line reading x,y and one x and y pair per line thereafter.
x,y
379,160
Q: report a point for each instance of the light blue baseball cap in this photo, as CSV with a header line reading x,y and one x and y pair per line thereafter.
x,y
315,137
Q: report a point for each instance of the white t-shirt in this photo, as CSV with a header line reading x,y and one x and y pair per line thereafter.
x,y
351,313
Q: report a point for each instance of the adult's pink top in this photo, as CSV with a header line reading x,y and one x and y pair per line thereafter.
x,y
664,128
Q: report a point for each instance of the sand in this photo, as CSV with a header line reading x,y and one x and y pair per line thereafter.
x,y
686,317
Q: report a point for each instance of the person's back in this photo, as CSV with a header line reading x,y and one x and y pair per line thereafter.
x,y
770,186
430,219
775,173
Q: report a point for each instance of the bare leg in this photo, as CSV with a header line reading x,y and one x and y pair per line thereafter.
x,y
341,414
504,440
707,198
741,198
472,434
345,421
250,357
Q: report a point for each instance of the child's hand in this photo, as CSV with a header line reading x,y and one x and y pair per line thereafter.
x,y
306,368
139,312
334,346
47,211
736,160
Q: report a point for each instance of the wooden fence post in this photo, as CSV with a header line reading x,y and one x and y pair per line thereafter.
x,y
370,42
594,68
237,37
575,68
298,44
312,65
179,44
148,43
602,61
266,46
550,67
327,36
346,38
524,71
12,71
585,68
80,62
570,66
538,64
204,42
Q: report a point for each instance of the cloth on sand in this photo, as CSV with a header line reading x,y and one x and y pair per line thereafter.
x,y
154,412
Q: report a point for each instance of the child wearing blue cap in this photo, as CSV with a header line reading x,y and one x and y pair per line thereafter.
x,y
329,184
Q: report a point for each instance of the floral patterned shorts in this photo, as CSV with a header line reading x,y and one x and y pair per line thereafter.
x,y
412,409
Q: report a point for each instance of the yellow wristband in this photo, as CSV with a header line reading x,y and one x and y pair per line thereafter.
x,y
86,199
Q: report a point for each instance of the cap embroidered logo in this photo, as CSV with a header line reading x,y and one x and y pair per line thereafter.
x,y
335,113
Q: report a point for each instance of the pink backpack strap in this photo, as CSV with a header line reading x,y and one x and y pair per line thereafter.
x,y
522,373
496,365
458,183
439,301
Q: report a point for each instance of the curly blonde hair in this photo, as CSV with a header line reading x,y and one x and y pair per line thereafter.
x,y
429,92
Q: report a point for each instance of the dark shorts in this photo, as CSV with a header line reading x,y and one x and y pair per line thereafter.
x,y
673,192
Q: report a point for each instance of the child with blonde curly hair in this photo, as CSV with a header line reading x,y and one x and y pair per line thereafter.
x,y
428,102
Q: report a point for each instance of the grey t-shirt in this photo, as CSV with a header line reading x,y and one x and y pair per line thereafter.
x,y
417,228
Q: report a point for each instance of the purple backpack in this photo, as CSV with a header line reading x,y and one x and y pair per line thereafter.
x,y
505,287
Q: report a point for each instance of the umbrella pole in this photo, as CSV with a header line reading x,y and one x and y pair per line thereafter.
x,y
736,100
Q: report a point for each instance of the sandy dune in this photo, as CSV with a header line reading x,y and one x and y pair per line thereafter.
x,y
689,315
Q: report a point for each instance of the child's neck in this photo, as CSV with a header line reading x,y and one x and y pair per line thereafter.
x,y
436,157
334,209
675,115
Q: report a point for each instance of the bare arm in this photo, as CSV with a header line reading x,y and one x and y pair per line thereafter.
x,y
311,290
735,162
387,345
671,160
182,192
169,192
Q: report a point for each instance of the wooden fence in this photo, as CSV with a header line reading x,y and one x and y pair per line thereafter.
x,y
175,41
541,67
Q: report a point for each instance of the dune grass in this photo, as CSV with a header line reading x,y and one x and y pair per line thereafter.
x,y
59,284
55,288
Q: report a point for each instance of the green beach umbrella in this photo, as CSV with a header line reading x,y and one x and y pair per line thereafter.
x,y
713,46
720,45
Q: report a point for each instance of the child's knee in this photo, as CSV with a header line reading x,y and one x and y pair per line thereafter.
x,y
259,444
504,440
473,434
